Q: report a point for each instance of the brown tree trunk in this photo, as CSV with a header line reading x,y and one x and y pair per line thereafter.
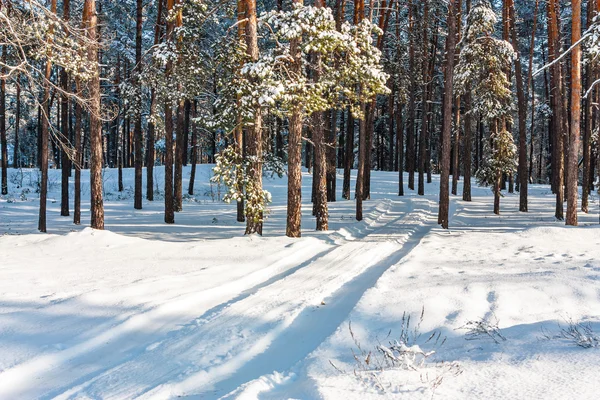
x,y
45,122
77,159
194,156
64,130
331,155
254,223
137,130
294,195
400,147
531,86
349,157
169,206
522,104
17,150
457,138
96,203
573,159
320,167
3,143
362,143
557,112
444,206
424,103
410,133
179,150
150,152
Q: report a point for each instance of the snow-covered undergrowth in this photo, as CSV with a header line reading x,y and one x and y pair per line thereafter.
x,y
196,309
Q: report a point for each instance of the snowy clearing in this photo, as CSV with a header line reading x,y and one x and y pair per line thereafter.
x,y
146,310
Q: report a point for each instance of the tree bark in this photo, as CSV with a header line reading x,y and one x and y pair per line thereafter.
x,y
254,223
349,157
96,202
443,213
137,129
557,112
194,156
522,105
294,194
3,143
573,159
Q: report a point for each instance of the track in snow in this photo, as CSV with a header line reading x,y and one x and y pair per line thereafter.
x,y
242,331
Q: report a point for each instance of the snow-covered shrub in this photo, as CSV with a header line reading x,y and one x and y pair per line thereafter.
x,y
579,333
483,329
409,353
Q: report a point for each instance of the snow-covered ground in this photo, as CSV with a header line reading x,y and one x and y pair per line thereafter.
x,y
197,310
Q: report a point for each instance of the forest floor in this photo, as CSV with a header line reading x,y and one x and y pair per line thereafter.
x,y
508,303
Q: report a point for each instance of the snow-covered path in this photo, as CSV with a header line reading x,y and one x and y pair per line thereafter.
x,y
205,314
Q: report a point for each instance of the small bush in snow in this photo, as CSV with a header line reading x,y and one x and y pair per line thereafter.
x,y
406,353
483,329
579,333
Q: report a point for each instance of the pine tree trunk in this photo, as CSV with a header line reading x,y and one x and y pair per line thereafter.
x,y
557,114
45,122
456,148
294,194
194,156
410,134
179,150
424,98
64,130
573,159
137,130
96,203
169,206
331,155
400,148
17,150
522,106
362,143
3,143
443,214
254,221
349,157
77,161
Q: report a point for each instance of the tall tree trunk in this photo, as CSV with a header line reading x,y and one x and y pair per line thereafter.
x,y
557,112
239,129
137,130
320,167
179,150
400,147
169,206
573,159
254,222
77,160
444,206
424,103
531,87
410,134
45,122
522,103
331,155
3,143
457,138
64,130
194,156
96,202
150,152
17,149
294,195
587,135
349,157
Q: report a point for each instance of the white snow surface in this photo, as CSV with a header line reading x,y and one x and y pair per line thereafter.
x,y
197,310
